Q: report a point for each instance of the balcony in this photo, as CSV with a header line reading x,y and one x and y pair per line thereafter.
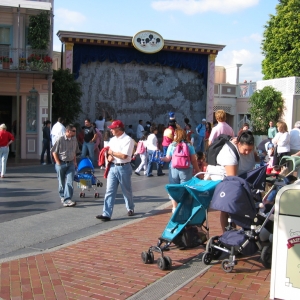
x,y
25,60
242,90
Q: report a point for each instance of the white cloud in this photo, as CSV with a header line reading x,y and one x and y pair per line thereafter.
x,y
191,7
68,18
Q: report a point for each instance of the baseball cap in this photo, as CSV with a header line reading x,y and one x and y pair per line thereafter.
x,y
116,124
203,120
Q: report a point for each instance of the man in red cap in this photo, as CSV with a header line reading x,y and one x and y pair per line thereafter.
x,y
119,156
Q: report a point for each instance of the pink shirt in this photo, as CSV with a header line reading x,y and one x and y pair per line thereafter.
x,y
221,128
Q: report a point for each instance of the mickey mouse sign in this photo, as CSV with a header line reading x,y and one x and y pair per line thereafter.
x,y
148,41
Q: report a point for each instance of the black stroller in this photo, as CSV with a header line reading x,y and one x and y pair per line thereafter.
x,y
239,198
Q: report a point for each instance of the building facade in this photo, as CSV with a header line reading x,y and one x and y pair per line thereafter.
x,y
25,76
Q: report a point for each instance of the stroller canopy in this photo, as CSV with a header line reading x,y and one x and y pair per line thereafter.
x,y
256,178
233,195
85,163
200,190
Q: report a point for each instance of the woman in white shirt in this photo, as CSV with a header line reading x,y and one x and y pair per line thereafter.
x,y
152,146
282,141
230,165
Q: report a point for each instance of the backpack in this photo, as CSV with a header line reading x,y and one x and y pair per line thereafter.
x,y
190,237
140,149
181,156
214,149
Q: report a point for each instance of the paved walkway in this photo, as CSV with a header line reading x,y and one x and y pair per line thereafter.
x,y
107,265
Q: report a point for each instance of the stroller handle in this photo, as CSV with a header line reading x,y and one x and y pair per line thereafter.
x,y
209,173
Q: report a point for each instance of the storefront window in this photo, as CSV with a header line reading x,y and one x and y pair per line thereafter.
x,y
31,114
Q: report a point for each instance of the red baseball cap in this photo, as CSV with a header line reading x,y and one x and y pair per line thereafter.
x,y
116,124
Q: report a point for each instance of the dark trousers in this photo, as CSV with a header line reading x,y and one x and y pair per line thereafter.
x,y
46,147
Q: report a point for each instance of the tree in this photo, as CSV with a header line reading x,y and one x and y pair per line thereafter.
x,y
39,31
66,100
265,105
281,42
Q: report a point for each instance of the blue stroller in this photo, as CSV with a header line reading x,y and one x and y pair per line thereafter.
x,y
86,179
193,198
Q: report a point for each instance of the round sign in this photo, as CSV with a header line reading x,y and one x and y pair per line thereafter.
x,y
148,41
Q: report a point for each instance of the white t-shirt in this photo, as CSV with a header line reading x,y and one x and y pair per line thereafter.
x,y
57,130
123,144
152,142
100,124
139,131
227,157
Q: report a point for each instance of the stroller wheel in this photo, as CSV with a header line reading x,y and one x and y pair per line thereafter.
x,y
216,253
144,256
161,263
151,258
96,195
207,258
168,262
226,266
266,256
81,195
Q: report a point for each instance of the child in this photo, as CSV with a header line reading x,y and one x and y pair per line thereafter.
x,y
202,164
142,151
271,158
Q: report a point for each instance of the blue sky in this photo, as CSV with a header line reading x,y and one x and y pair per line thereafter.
x,y
237,24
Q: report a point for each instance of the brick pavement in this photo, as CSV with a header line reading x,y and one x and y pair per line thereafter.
x,y
108,266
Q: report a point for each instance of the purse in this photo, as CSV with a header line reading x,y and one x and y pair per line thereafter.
x,y
156,157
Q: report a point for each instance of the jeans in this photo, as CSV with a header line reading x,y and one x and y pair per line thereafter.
x,y
150,165
46,147
118,175
65,175
4,151
200,146
90,147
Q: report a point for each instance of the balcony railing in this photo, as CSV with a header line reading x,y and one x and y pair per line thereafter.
x,y
246,90
25,59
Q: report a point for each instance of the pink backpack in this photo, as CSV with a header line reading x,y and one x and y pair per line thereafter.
x,y
181,156
140,149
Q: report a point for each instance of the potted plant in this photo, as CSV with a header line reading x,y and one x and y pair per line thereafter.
x,y
34,61
6,61
47,61
22,63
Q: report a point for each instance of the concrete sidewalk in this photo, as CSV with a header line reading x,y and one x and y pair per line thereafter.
x,y
108,266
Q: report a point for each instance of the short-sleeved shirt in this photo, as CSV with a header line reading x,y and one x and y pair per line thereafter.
x,y
295,139
66,148
89,133
139,131
201,129
152,142
221,128
123,144
100,124
227,157
272,132
172,147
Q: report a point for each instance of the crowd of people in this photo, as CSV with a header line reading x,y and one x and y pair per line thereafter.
x,y
156,146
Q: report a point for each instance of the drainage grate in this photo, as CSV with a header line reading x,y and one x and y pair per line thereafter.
x,y
172,282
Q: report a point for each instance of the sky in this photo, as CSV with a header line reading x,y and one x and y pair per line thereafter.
x,y
237,24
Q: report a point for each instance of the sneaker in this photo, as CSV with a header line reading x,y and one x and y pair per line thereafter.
x,y
69,203
150,175
145,173
130,213
44,164
103,218
137,173
62,199
161,174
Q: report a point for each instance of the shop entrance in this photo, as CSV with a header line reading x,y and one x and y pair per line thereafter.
x,y
6,112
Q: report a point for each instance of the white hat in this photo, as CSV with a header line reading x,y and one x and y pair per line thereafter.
x,y
203,120
3,126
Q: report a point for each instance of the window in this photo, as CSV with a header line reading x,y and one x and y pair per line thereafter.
x,y
31,114
4,35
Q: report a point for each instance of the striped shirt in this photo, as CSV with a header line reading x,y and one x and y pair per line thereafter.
x,y
66,148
